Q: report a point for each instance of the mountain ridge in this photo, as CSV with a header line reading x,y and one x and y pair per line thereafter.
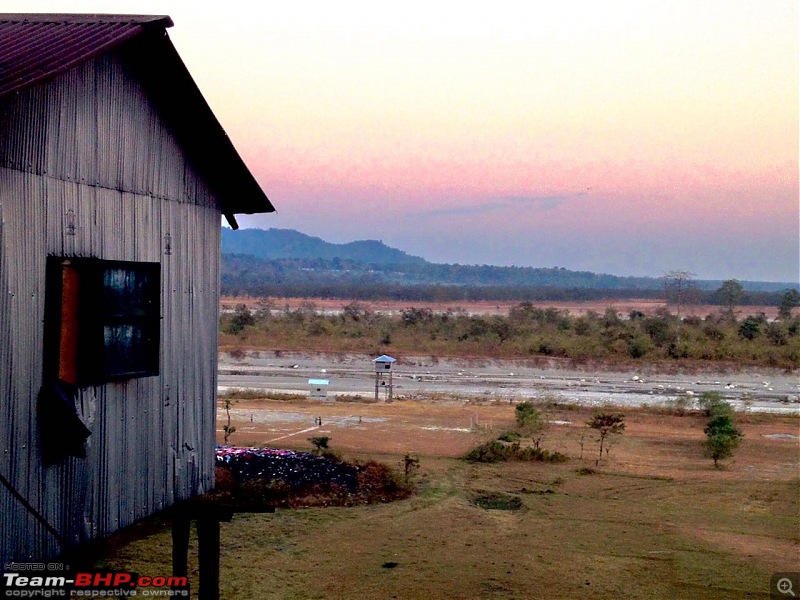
x,y
377,261
274,244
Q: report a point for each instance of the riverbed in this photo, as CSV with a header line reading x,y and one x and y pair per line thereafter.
x,y
755,390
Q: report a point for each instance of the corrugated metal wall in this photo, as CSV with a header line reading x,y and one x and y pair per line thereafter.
x,y
88,150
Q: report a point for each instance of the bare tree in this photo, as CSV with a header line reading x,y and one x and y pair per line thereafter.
x,y
607,424
680,289
228,429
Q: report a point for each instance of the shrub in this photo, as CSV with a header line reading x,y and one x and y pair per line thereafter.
x,y
263,492
490,452
257,484
638,347
777,335
377,482
413,316
509,436
320,442
496,451
713,332
678,350
750,328
497,501
714,406
242,318
659,329
680,405
332,455
224,480
238,354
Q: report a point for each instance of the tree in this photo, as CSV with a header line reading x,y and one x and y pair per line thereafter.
x,y
789,300
723,438
227,429
530,422
680,289
319,442
607,424
730,295
242,317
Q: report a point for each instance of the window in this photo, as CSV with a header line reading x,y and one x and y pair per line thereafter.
x,y
102,320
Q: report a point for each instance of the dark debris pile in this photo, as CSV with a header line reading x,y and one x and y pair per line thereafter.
x,y
294,469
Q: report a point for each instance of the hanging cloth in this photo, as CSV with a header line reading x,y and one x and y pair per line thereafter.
x,y
61,431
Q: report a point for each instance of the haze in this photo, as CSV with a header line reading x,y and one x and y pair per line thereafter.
x,y
627,137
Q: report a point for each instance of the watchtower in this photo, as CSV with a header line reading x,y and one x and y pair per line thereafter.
x,y
383,376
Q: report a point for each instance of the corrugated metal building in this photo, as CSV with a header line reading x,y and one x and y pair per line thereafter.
x,y
113,175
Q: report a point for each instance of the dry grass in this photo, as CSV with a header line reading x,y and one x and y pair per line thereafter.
x,y
253,394
654,520
488,307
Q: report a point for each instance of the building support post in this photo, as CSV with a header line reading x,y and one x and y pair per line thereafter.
x,y
208,556
180,545
207,518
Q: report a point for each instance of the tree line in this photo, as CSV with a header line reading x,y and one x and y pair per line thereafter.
x,y
527,331
245,275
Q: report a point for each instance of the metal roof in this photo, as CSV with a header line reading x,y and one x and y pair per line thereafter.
x,y
34,48
383,358
37,47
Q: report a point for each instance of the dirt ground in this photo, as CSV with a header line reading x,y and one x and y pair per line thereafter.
x,y
655,443
624,307
654,519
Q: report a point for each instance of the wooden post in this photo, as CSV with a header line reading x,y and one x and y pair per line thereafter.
x,y
207,516
180,544
208,556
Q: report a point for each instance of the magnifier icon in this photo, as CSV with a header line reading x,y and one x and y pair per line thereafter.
x,y
784,586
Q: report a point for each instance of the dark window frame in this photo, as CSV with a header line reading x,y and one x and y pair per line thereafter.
x,y
106,327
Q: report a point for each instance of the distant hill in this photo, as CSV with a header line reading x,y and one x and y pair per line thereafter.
x,y
287,262
273,244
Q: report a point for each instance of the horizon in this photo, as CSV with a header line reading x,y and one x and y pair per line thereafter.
x,y
621,275
621,136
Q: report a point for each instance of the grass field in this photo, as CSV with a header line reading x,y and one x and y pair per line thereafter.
x,y
654,520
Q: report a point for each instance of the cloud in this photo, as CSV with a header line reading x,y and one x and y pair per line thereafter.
x,y
539,203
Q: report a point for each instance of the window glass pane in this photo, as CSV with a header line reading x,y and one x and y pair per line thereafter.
x,y
129,292
130,349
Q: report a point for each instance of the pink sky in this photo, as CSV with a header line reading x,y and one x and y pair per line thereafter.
x,y
632,137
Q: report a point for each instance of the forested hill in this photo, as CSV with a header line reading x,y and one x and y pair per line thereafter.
x,y
286,262
288,243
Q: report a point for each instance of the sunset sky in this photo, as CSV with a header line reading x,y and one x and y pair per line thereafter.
x,y
627,137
